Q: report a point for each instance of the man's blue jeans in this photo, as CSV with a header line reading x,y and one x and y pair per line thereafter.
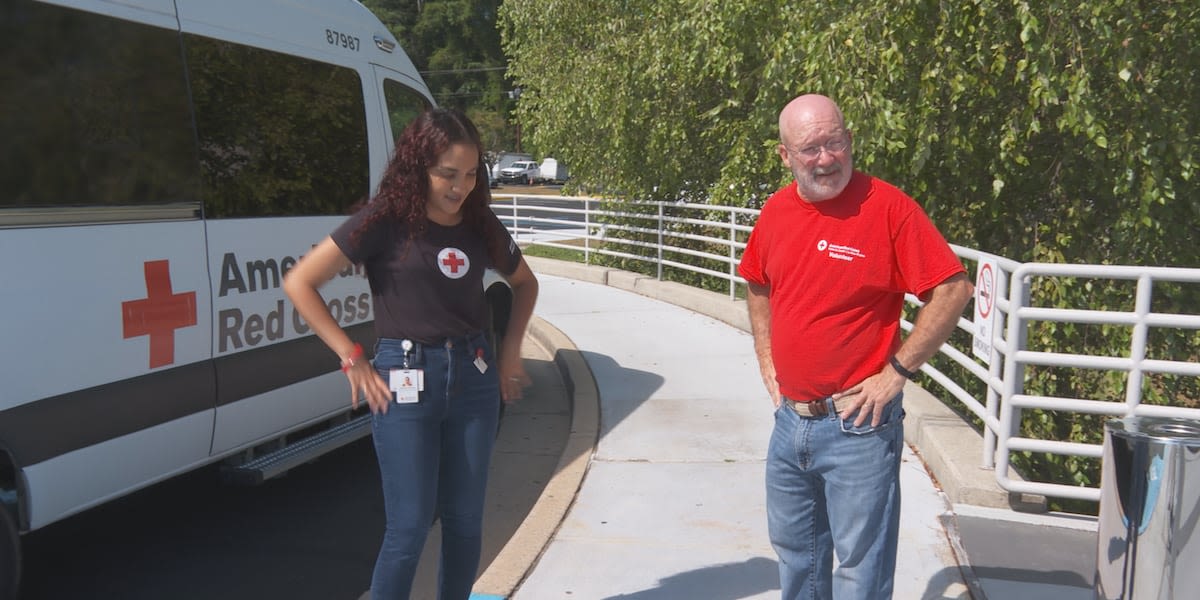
x,y
434,454
834,487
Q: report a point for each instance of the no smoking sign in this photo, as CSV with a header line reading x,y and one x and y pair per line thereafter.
x,y
985,304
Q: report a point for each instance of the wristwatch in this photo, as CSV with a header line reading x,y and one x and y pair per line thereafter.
x,y
900,368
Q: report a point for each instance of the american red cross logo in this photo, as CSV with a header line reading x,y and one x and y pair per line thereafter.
x,y
159,314
453,262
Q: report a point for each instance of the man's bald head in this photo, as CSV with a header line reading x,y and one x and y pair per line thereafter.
x,y
815,145
808,111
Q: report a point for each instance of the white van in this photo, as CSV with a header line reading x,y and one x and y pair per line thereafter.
x,y
552,171
163,163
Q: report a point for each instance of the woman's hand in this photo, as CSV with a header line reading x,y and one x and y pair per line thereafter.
x,y
365,380
513,379
301,284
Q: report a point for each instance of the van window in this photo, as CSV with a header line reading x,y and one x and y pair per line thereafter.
x,y
278,134
94,118
403,105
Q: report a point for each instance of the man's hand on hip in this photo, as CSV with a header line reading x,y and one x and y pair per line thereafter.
x,y
870,395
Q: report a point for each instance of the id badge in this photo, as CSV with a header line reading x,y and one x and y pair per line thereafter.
x,y
407,384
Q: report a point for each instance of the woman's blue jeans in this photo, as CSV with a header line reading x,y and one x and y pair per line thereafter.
x,y
835,487
434,455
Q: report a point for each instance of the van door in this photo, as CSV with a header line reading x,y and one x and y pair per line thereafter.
x,y
105,318
111,386
283,143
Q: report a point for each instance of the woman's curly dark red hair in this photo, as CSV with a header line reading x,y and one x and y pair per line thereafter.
x,y
404,189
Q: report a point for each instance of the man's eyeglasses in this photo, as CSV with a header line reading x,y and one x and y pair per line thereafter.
x,y
834,146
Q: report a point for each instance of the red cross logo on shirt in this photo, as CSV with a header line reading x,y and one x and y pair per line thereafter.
x,y
453,262
159,314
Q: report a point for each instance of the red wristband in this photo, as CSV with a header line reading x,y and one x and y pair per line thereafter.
x,y
348,362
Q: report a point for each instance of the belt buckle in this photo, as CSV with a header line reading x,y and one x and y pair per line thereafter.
x,y
812,409
818,408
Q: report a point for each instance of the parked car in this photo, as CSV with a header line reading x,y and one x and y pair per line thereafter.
x,y
504,160
522,171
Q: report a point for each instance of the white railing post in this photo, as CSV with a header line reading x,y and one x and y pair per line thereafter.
x,y
1137,343
1013,380
732,255
516,223
995,372
660,240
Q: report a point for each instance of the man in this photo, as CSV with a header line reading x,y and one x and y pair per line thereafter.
x,y
828,264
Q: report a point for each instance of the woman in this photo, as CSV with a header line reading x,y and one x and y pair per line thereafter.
x,y
435,388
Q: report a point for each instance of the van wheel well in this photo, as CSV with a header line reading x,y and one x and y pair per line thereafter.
x,y
10,536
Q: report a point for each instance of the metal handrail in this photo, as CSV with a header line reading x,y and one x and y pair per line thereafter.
x,y
566,222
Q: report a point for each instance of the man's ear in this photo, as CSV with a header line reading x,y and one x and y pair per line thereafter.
x,y
783,155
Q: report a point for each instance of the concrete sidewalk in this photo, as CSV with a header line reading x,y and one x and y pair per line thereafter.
x,y
669,465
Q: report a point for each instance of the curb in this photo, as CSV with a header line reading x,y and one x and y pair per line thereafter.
x,y
518,557
951,449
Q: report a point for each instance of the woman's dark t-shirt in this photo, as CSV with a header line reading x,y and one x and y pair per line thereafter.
x,y
428,288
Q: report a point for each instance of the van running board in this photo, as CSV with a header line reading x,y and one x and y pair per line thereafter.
x,y
278,462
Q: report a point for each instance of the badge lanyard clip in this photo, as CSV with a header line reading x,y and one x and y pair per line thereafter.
x,y
407,346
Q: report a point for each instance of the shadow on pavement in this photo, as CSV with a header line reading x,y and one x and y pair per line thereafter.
x,y
728,581
624,389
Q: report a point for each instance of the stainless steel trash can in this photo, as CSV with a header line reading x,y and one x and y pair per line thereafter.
x,y
1147,547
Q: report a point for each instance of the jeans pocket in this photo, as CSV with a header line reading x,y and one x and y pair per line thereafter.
x,y
893,413
479,343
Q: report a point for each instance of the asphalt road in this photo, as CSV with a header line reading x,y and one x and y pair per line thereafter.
x,y
311,534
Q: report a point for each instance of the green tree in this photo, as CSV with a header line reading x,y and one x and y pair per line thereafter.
x,y
1041,131
455,44
1055,131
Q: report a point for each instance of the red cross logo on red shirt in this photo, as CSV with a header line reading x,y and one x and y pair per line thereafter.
x,y
159,314
450,260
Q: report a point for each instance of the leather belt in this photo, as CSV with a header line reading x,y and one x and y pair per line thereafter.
x,y
816,408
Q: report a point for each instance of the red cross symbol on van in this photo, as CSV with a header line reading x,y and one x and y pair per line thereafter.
x,y
159,314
